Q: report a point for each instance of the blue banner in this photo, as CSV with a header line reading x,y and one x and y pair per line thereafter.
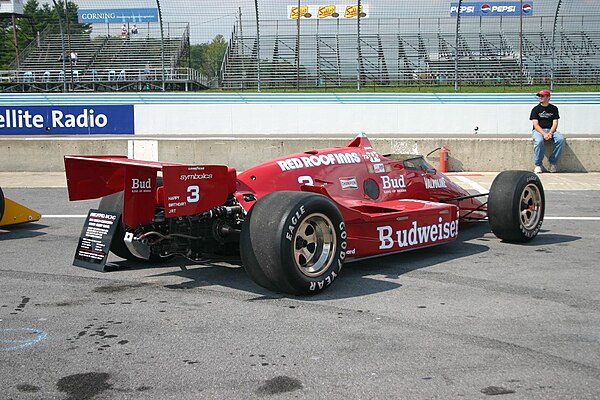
x,y
120,15
492,9
66,120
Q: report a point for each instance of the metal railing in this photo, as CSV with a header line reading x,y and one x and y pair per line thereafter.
x,y
395,44
397,52
119,79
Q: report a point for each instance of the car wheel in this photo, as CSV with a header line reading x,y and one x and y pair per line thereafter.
x,y
1,204
516,206
114,202
294,242
249,261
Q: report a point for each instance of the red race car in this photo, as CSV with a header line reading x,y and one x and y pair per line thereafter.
x,y
294,220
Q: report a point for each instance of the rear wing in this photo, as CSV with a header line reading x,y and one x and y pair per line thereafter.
x,y
186,189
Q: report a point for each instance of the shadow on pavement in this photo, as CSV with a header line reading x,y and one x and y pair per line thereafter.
x,y
357,278
22,231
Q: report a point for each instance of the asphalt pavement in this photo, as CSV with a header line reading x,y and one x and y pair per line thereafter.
x,y
470,319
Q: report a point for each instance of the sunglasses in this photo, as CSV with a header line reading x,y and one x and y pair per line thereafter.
x,y
542,95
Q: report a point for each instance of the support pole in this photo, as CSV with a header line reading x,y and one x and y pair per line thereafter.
x,y
521,40
66,14
298,48
162,45
14,24
62,44
456,48
257,45
553,67
359,55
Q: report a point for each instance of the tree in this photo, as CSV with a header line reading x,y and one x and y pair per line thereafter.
x,y
36,19
208,57
7,47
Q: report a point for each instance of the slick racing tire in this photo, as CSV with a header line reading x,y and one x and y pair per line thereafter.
x,y
1,204
114,202
516,206
294,242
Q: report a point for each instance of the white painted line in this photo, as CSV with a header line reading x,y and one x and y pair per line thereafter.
x,y
474,185
575,218
65,216
555,218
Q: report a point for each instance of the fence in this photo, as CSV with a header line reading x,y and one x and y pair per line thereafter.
x,y
387,43
542,42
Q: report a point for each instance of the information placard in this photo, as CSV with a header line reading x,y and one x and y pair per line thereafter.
x,y
94,241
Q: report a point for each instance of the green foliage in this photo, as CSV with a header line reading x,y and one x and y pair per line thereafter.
x,y
207,57
36,19
7,47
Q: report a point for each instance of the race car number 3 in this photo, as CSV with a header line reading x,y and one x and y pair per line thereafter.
x,y
193,194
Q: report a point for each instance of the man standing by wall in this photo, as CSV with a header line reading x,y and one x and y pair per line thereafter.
x,y
545,118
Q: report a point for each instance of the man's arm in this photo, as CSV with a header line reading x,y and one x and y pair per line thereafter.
x,y
537,127
554,126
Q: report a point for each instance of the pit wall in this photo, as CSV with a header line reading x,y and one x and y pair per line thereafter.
x,y
242,130
466,154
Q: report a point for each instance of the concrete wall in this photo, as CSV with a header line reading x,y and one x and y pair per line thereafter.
x,y
242,130
466,154
43,154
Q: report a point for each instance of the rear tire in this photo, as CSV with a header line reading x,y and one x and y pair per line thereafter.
x,y
516,206
114,203
293,242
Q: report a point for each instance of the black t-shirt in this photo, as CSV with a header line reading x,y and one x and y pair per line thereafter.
x,y
545,115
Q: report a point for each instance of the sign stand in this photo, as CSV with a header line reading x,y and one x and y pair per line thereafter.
x,y
94,241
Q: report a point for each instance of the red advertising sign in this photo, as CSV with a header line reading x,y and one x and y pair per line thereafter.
x,y
140,189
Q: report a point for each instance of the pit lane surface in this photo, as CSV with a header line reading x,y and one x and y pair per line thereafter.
x,y
469,319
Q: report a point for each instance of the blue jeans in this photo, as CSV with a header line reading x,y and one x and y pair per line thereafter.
x,y
538,147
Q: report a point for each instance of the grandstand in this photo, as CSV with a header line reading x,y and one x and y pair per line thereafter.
x,y
108,62
396,44
327,54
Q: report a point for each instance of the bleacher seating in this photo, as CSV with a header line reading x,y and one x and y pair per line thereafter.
x,y
393,53
101,54
103,62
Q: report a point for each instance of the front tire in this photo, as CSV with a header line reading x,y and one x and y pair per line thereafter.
x,y
294,242
516,206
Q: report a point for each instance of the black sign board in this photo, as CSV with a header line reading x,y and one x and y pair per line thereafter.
x,y
95,238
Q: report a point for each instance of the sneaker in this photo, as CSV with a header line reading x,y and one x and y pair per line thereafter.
x,y
538,169
552,168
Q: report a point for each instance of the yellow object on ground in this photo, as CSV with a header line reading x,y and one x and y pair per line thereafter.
x,y
12,213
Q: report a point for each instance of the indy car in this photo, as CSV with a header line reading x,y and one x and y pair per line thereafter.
x,y
297,219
